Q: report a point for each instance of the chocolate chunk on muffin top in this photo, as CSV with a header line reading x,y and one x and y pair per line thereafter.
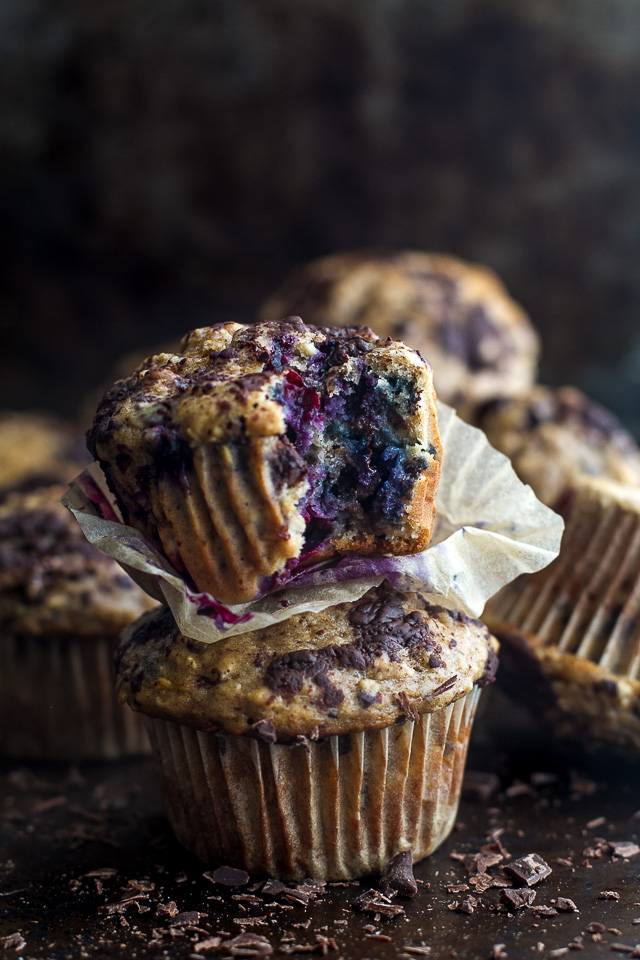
x,y
261,448
364,665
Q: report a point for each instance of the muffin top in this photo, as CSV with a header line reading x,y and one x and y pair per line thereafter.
x,y
357,666
557,437
263,446
479,341
52,581
37,448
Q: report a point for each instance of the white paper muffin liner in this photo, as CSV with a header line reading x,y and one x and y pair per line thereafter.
x,y
335,809
58,701
587,602
490,529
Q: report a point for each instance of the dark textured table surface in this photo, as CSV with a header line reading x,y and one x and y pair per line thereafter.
x,y
88,867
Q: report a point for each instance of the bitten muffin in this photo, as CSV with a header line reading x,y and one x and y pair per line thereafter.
x,y
37,448
261,448
317,747
571,633
480,343
62,607
556,437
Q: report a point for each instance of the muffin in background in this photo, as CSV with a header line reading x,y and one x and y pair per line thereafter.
x,y
570,633
556,437
63,605
38,447
263,448
317,747
480,343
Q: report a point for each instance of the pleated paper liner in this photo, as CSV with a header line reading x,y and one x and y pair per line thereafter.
x,y
335,809
570,634
587,601
58,701
224,521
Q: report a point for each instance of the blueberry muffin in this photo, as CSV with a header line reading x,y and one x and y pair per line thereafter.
x,y
62,606
479,342
38,447
262,448
555,437
571,633
318,747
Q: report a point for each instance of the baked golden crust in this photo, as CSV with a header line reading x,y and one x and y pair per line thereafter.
x,y
571,632
555,437
479,342
52,581
262,447
356,666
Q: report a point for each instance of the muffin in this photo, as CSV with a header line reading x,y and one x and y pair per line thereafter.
x,y
260,449
556,437
62,607
570,634
37,448
318,747
479,341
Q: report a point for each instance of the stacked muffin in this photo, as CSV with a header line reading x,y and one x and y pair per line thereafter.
x,y
328,743
62,607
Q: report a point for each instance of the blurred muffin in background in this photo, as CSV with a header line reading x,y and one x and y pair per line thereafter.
x,y
38,447
479,342
62,607
570,633
555,437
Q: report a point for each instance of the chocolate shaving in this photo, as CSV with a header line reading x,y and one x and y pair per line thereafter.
x,y
211,943
517,899
624,848
273,887
398,875
445,686
248,945
373,901
227,876
528,870
13,941
564,904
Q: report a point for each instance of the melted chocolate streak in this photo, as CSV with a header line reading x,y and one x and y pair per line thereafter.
x,y
381,627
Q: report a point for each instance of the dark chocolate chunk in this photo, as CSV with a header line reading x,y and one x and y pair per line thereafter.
x,y
564,904
490,668
263,730
528,870
373,901
398,875
545,911
517,899
228,876
624,848
273,887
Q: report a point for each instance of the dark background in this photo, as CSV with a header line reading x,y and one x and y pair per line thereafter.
x,y
164,164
